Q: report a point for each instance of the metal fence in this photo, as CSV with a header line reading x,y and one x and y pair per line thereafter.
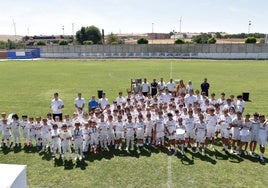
x,y
217,51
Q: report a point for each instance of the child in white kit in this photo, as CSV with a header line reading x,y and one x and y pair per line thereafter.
x,y
119,132
159,129
46,135
111,127
78,141
103,129
16,129
38,135
129,129
31,131
56,141
94,135
201,131
149,125
6,133
86,137
140,128
25,128
66,137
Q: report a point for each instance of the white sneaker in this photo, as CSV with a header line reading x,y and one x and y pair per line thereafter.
x,y
132,148
231,151
115,147
126,148
120,148
183,152
245,153
80,158
203,152
212,148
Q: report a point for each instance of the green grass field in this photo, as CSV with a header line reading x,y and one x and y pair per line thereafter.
x,y
28,87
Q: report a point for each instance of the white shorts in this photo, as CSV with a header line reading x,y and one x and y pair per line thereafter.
x,y
119,135
225,133
190,134
140,134
254,136
210,132
148,133
6,136
262,140
235,134
201,137
160,134
171,137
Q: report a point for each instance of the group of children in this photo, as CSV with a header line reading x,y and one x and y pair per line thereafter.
x,y
165,120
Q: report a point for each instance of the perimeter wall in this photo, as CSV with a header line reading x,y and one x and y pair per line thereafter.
x,y
198,51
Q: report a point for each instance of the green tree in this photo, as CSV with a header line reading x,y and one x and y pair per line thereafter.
x,y
179,41
41,43
202,38
251,40
88,42
89,33
63,42
112,38
211,40
142,41
3,45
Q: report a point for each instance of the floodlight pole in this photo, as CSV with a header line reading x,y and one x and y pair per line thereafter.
x,y
63,30
152,32
249,24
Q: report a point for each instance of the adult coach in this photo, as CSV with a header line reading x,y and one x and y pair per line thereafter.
x,y
79,102
205,86
56,106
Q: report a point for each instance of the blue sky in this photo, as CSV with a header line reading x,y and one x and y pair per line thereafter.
x,y
48,17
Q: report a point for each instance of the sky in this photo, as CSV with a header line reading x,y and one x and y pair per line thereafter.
x,y
57,17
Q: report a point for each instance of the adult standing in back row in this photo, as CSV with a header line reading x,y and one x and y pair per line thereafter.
x,y
56,106
205,86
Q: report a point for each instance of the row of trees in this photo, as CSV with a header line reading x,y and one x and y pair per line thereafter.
x,y
92,35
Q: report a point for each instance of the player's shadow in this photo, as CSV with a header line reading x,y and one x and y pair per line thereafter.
x,y
235,158
185,160
29,149
46,156
68,164
99,155
58,162
6,150
81,164
206,158
250,158
17,149
221,156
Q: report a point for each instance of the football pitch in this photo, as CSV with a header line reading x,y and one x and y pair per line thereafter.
x,y
27,87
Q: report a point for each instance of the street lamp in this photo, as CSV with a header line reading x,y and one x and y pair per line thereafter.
x,y
63,30
152,32
249,24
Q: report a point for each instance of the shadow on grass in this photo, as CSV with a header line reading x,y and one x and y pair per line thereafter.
x,y
81,164
29,149
185,160
206,158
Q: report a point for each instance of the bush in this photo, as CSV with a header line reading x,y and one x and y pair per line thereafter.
x,y
251,40
142,41
179,41
211,40
262,41
63,42
40,43
88,42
